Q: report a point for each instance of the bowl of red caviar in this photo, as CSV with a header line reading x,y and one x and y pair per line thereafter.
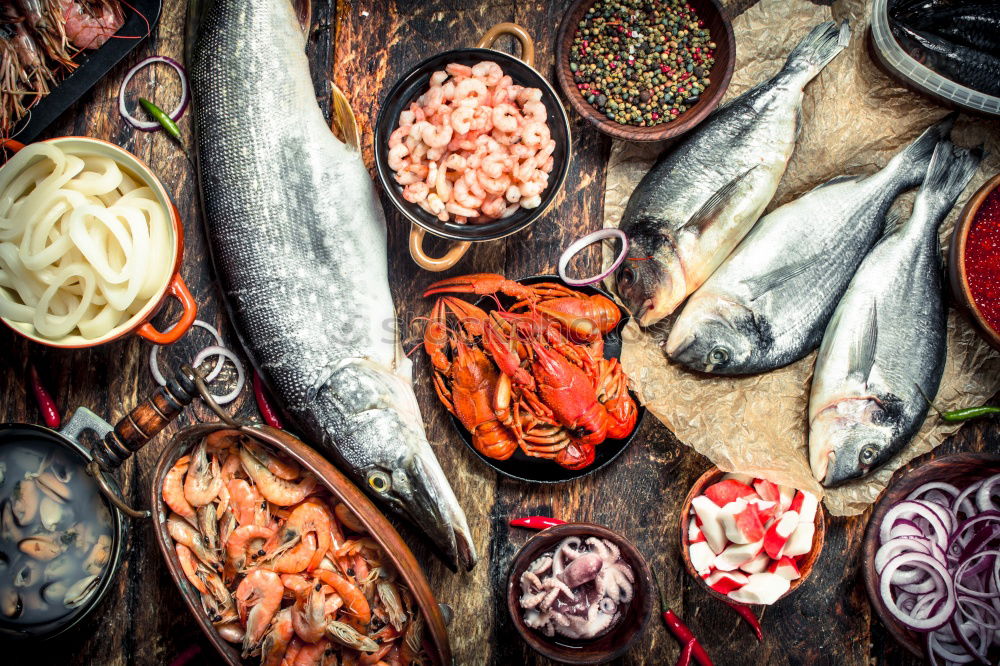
x,y
975,259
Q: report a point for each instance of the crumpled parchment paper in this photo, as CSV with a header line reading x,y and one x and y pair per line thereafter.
x,y
855,118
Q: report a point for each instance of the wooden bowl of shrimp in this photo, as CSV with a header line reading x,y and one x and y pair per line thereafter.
x,y
253,592
472,145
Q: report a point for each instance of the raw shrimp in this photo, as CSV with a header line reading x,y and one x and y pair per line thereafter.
x,y
277,491
258,598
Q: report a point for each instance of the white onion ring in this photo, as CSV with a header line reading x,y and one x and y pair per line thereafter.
x,y
182,104
154,365
240,376
580,243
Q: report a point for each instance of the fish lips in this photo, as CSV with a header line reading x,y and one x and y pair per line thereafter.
x,y
422,503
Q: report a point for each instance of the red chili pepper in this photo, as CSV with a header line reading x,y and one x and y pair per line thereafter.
x,y
536,522
267,411
50,413
686,638
751,618
685,658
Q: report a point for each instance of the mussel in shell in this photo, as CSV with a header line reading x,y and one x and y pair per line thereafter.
x,y
10,603
98,556
53,487
42,547
58,568
27,574
25,501
51,512
79,591
54,592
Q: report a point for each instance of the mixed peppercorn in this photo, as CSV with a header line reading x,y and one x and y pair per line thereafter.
x,y
641,62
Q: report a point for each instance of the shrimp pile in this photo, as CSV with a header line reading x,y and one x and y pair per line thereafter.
x,y
282,568
39,44
475,147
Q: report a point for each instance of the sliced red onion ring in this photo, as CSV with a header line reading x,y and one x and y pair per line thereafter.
x,y
580,243
965,602
908,509
154,365
151,125
240,376
934,485
963,504
941,614
963,570
985,493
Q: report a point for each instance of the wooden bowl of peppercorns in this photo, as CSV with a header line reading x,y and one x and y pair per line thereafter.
x,y
645,70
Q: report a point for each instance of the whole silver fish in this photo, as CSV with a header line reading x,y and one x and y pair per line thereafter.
x,y
702,197
883,352
769,302
299,244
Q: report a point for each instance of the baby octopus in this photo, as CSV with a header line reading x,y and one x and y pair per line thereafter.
x,y
474,147
579,590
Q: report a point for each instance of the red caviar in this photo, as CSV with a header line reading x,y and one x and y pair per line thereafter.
x,y
982,259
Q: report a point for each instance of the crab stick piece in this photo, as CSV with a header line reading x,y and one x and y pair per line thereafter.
x,y
742,522
725,582
757,564
785,567
778,534
695,534
805,504
702,557
785,495
801,540
767,490
761,588
737,555
724,492
708,513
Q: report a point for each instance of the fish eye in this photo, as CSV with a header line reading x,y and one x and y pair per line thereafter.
x,y
626,277
868,453
718,356
379,481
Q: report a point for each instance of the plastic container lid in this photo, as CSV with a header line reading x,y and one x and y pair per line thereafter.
x,y
898,62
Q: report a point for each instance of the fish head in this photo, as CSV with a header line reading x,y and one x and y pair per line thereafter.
x,y
651,280
849,439
381,439
713,334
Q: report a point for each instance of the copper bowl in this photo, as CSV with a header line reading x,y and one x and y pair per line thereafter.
x,y
721,28
960,470
713,475
605,648
378,527
956,261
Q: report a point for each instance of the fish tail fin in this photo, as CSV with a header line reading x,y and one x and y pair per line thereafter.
x,y
816,50
910,165
950,170
343,117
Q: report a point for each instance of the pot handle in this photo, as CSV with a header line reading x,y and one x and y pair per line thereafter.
x,y
434,264
515,31
178,290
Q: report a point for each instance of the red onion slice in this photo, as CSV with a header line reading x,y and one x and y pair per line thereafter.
x,y
941,614
986,491
182,104
580,243
909,509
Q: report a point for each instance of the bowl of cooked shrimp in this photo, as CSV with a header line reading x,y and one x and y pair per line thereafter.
x,y
472,145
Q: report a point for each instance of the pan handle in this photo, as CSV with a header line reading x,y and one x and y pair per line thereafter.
x,y
515,31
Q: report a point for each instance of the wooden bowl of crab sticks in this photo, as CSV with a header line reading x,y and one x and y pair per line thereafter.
x,y
748,540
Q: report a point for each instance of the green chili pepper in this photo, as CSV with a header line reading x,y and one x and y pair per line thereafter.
x,y
969,413
161,117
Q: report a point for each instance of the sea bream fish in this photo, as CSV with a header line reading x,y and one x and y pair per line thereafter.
x,y
883,351
701,198
769,302
298,239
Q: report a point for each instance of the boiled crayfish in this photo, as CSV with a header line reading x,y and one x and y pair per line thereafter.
x,y
532,376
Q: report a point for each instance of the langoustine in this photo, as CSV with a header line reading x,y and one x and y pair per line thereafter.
x,y
293,574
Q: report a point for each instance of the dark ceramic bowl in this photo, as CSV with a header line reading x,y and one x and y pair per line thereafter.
x,y
413,84
539,470
806,566
713,15
956,263
605,648
960,470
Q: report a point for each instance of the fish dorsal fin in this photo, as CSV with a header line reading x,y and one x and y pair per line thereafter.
x,y
717,203
836,180
762,284
344,119
861,356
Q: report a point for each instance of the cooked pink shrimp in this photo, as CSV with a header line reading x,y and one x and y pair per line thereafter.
x,y
258,598
535,134
458,70
432,172
513,194
438,78
442,186
182,532
526,95
482,119
549,164
506,138
437,136
471,92
418,113
406,118
494,207
434,154
203,478
242,539
511,209
276,490
506,117
462,197
437,206
398,134
461,119
494,164
397,157
453,207
523,171
495,186
471,179
536,111
488,71
173,489
275,644
448,91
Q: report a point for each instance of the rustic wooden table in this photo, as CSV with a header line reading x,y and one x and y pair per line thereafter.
x,y
365,45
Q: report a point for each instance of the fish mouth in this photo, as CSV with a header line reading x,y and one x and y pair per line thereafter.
x,y
676,346
822,467
652,310
428,505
